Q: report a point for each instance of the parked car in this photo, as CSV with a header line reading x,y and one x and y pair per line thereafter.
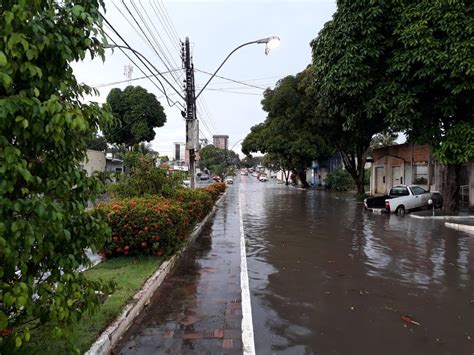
x,y
204,177
263,178
186,183
403,198
379,201
216,178
229,181
244,173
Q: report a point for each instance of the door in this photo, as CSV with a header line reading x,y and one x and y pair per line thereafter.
x,y
396,175
379,181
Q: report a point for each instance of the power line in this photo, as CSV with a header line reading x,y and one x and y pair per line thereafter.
x,y
126,54
134,79
233,80
143,32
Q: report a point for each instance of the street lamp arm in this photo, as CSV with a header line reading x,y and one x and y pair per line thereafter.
x,y
220,66
151,64
265,41
240,140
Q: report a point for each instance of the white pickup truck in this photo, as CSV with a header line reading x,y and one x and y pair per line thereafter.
x,y
406,197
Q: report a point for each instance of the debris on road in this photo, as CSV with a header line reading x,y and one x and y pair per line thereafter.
x,y
409,320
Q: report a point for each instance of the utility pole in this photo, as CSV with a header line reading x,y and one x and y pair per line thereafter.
x,y
192,124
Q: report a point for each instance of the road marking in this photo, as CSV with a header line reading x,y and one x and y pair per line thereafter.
x,y
247,323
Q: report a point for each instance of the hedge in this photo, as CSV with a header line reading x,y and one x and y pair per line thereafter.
x,y
154,225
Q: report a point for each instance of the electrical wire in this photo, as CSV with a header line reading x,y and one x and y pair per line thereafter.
x,y
134,79
233,80
141,60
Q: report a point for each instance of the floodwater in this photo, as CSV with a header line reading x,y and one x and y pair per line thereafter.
x,y
325,278
328,278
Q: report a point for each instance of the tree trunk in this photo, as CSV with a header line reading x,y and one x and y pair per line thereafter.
x,y
286,174
354,162
302,177
451,188
360,185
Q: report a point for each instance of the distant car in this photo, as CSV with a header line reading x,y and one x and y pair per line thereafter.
x,y
186,183
262,178
216,178
204,177
229,181
244,173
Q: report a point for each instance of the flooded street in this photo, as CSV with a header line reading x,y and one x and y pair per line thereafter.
x,y
325,278
328,278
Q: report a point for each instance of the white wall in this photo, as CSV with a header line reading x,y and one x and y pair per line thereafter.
x,y
95,161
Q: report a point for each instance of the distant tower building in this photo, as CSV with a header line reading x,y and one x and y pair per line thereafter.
x,y
221,141
179,151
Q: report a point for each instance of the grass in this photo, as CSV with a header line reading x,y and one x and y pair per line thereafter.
x,y
129,274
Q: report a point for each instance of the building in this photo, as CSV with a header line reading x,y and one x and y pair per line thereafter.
x,y
95,161
114,165
221,141
316,175
414,164
403,164
179,151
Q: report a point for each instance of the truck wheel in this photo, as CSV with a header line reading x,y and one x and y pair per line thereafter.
x,y
400,210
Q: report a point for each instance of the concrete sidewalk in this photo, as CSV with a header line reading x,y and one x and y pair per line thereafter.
x,y
197,310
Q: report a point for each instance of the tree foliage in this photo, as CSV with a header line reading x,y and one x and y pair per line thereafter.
x,y
289,132
349,63
145,178
430,91
44,128
97,143
137,113
219,161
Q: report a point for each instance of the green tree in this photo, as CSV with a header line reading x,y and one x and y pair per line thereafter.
x,y
44,128
137,113
97,143
289,131
385,139
276,162
219,161
349,63
429,92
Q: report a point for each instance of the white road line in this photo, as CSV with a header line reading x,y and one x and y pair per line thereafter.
x,y
247,323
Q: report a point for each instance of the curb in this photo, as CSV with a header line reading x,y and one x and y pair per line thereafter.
x,y
460,227
442,217
114,332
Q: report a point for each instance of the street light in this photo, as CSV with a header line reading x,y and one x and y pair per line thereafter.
x,y
270,43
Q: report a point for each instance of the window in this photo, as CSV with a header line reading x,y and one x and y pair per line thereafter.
x,y
417,190
399,191
421,175
177,152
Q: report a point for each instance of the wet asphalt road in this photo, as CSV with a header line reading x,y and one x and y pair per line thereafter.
x,y
328,278
325,278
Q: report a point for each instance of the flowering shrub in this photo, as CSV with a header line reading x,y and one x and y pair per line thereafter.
x,y
154,225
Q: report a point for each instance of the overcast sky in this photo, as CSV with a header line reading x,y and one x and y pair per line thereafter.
x,y
214,28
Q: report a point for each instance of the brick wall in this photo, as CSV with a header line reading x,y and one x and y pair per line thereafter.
x,y
421,153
